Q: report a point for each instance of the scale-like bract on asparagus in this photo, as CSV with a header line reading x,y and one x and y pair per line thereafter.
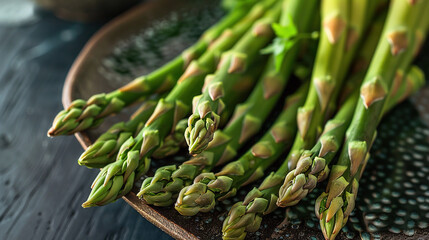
x,y
208,107
162,189
406,24
81,114
208,188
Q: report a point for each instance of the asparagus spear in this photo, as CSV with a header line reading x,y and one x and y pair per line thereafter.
x,y
326,77
312,168
310,162
363,57
209,187
327,67
81,114
105,148
361,14
233,4
397,45
209,105
163,188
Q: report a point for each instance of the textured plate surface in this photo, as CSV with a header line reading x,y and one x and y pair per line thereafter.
x,y
394,196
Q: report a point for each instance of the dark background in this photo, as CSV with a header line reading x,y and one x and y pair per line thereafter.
x,y
41,184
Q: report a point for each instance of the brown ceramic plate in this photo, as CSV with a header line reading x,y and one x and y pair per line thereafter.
x,y
392,204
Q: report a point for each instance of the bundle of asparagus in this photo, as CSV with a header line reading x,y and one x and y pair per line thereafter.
x,y
191,98
162,189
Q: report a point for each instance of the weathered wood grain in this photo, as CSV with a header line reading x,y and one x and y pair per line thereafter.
x,y
41,186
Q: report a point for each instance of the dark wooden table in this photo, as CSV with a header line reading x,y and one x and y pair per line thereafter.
x,y
41,184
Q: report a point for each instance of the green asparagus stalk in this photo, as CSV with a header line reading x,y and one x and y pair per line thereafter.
x,y
326,73
81,114
208,107
234,4
325,78
363,58
361,14
312,165
405,22
209,187
162,189
291,193
105,148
